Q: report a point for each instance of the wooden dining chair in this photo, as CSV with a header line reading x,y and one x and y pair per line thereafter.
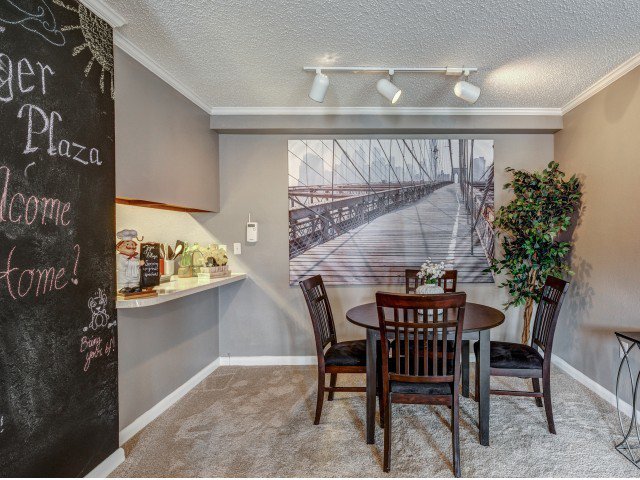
x,y
524,361
419,364
340,357
448,282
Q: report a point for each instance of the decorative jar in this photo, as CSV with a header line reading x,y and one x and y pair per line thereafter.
x,y
429,289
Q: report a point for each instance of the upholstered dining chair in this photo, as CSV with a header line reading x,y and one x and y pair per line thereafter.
x,y
421,357
448,282
340,357
524,361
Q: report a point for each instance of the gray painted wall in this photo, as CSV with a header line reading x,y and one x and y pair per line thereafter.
x,y
264,315
161,347
600,144
165,151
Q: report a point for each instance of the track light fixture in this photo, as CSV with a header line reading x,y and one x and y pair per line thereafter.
x,y
463,89
466,91
388,90
319,87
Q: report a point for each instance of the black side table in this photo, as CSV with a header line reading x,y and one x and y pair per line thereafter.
x,y
630,444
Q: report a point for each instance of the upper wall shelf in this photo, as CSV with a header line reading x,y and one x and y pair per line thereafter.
x,y
158,205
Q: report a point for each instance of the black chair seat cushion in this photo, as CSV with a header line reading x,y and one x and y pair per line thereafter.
x,y
347,354
420,388
513,356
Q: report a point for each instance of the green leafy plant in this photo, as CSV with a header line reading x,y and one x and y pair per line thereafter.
x,y
529,227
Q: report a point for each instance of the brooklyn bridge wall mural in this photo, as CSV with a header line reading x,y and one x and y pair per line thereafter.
x,y
361,211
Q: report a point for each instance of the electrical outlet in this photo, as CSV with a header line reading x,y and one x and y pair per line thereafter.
x,y
624,347
237,249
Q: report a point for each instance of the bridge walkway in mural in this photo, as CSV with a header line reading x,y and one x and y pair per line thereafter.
x,y
437,226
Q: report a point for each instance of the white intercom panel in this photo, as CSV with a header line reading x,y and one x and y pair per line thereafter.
x,y
252,231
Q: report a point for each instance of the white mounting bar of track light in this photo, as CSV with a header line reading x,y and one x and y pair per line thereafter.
x,y
446,70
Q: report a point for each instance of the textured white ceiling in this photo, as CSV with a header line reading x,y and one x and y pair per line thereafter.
x,y
234,53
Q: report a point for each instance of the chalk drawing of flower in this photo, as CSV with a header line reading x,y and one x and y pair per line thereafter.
x,y
98,37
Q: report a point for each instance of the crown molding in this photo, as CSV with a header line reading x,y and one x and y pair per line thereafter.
x,y
141,57
428,111
601,84
105,12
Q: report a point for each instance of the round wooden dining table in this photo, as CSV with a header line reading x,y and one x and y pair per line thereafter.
x,y
478,322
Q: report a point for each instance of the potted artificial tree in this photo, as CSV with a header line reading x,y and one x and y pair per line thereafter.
x,y
529,227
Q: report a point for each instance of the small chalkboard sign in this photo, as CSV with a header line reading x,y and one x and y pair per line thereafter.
x,y
150,253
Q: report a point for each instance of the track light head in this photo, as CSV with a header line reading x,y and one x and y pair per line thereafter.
x,y
388,90
466,91
319,87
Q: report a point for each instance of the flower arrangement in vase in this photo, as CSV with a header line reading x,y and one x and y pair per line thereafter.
x,y
428,275
216,262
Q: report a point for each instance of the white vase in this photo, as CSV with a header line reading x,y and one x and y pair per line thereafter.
x,y
429,289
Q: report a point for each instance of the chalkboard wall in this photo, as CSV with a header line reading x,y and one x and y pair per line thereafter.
x,y
58,358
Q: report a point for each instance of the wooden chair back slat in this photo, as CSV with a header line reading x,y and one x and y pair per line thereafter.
x,y
547,312
417,350
315,296
448,282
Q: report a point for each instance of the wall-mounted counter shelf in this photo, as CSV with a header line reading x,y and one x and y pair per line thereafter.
x,y
178,289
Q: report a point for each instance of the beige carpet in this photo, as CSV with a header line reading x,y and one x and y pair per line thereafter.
x,y
257,422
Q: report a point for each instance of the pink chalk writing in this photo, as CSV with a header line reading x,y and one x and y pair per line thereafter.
x,y
93,348
31,281
20,207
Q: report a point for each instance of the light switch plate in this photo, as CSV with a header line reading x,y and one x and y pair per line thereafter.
x,y
237,248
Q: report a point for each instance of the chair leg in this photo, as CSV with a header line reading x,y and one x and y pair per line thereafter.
x,y
455,436
536,388
546,392
382,407
465,368
332,383
387,436
320,396
477,383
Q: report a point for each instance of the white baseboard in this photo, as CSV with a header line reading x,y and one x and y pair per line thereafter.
x,y
268,360
226,361
591,384
160,407
108,465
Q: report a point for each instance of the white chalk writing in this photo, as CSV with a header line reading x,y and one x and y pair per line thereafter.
x,y
41,21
